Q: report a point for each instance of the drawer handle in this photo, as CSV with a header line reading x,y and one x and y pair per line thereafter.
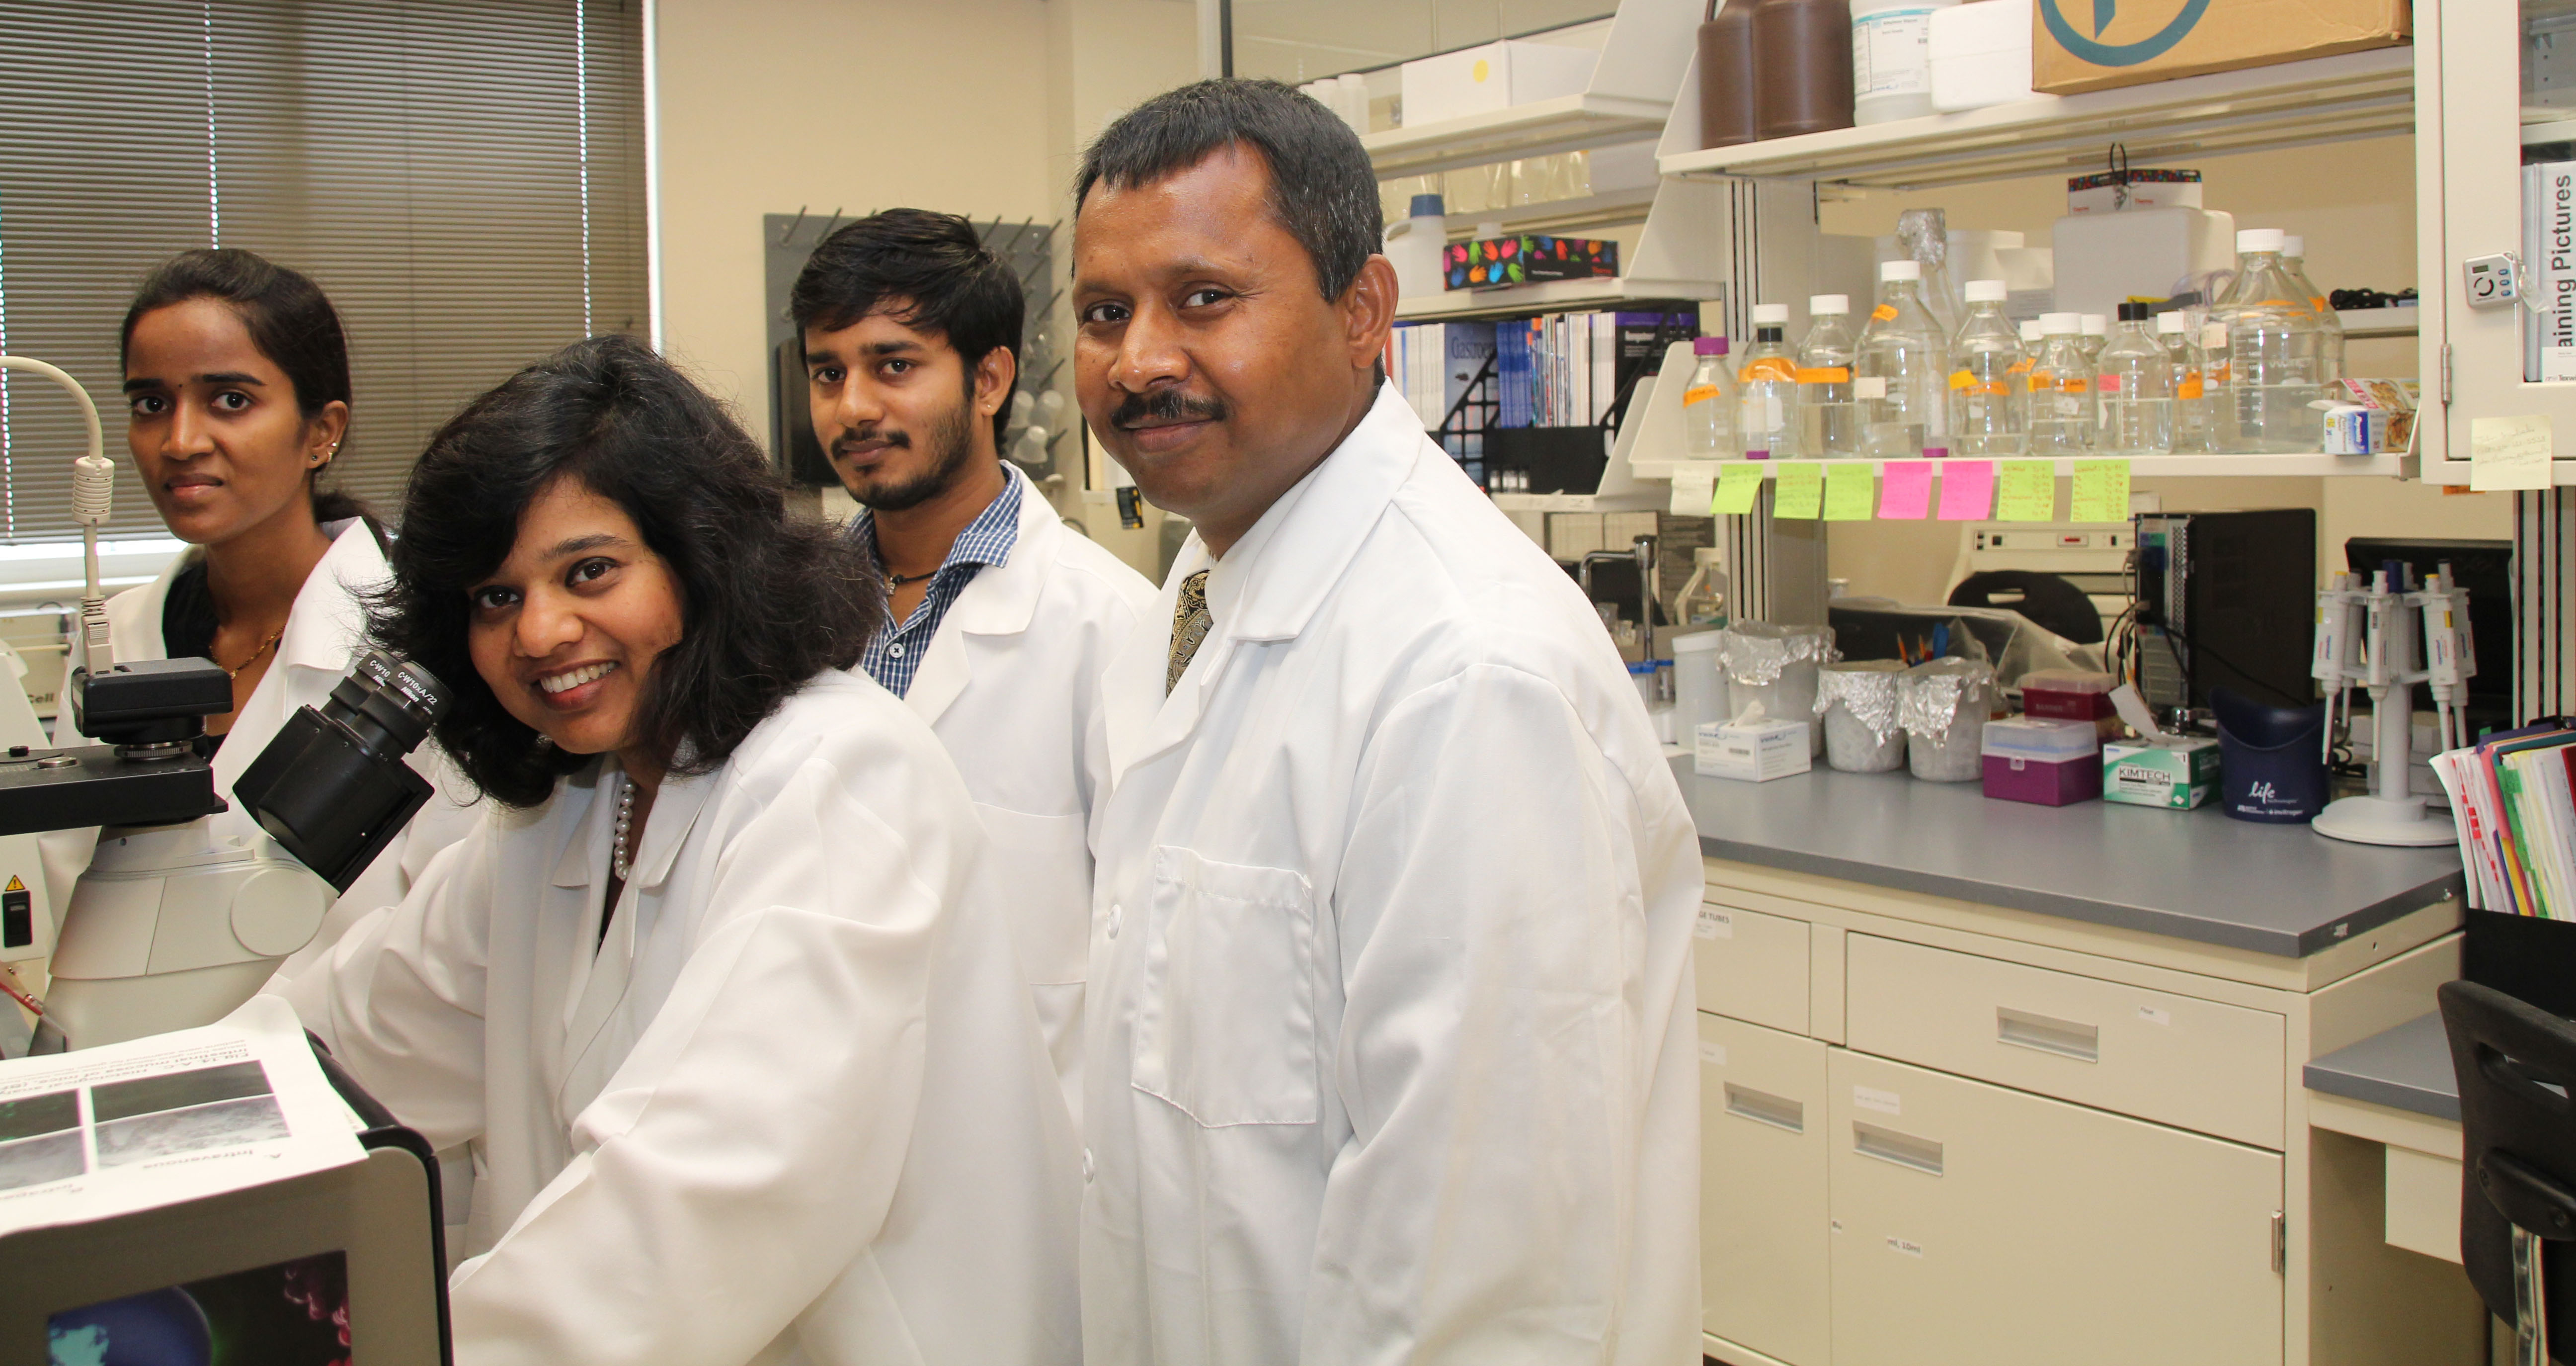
x,y
1778,1112
1905,1150
2065,1038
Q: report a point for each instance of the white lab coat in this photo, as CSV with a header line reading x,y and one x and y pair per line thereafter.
x,y
325,629
1011,685
793,1109
1391,1025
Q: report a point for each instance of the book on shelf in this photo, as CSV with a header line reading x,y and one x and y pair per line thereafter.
x,y
2549,270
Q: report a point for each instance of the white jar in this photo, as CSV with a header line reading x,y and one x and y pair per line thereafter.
x,y
1699,687
1892,58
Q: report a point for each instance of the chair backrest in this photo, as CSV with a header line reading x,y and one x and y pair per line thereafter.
x,y
2053,603
2516,1066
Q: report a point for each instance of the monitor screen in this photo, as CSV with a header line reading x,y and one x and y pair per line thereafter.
x,y
289,1314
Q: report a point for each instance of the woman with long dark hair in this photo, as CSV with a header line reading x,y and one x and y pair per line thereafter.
x,y
744,1053
238,400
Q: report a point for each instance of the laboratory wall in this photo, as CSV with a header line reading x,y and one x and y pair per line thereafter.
x,y
828,105
2360,230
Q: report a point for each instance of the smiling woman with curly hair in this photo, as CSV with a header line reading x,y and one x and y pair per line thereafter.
x,y
742,1048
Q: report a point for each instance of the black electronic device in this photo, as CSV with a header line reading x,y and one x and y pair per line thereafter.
x,y
333,787
2227,600
2485,569
149,701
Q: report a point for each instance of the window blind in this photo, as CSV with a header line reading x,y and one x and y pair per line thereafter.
x,y
465,178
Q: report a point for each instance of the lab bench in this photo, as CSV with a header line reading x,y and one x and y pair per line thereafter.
x,y
2396,1090
1992,1083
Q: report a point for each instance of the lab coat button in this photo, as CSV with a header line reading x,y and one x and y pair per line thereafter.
x,y
895,650
1086,1166
1113,922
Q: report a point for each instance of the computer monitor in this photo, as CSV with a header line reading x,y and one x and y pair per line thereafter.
x,y
2485,568
337,1265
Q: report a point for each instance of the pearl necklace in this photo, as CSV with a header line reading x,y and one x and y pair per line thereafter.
x,y
625,820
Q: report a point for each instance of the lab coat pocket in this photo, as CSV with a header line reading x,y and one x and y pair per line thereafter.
x,y
1227,1032
1041,869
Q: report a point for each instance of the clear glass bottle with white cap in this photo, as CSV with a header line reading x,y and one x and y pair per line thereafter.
x,y
2031,342
1708,403
1830,423
1904,366
2294,252
1767,388
2191,417
2133,382
2061,389
1989,398
2097,333
2271,354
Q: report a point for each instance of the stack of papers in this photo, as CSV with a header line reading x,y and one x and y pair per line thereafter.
x,y
2513,798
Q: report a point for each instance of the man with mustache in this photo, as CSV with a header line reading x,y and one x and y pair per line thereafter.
x,y
1391,1033
999,617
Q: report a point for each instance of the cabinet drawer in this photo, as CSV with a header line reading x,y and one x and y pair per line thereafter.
x,y
1764,1262
2218,1069
1979,1226
1751,966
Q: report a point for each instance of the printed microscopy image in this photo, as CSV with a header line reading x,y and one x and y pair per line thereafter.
x,y
224,1124
40,1139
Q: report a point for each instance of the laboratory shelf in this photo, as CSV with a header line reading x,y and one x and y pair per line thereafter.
x,y
1569,123
1613,208
2323,99
2140,466
1640,501
2379,322
2455,473
1551,296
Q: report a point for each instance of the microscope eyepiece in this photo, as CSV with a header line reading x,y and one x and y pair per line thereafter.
x,y
333,787
388,703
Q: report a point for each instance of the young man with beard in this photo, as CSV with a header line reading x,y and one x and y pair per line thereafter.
x,y
1390,1034
999,617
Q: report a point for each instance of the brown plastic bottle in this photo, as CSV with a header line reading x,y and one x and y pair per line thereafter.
x,y
1802,54
1726,74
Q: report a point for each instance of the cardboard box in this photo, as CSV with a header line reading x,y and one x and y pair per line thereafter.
x,y
2177,775
1753,753
1491,77
2079,45
1484,262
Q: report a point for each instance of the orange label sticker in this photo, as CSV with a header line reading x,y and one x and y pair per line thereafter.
x,y
2022,366
1961,379
2317,302
1769,367
1698,393
1884,313
2042,381
2073,384
2190,386
1824,374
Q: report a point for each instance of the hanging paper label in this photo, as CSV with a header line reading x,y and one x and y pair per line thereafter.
x,y
1906,493
1967,490
1847,492
2101,491
1737,486
1801,493
2028,491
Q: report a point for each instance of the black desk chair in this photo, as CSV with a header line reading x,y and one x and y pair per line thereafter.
x,y
2053,603
2516,1065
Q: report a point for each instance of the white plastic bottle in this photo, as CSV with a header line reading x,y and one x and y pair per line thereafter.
x,y
1903,377
1709,407
1891,46
2294,252
1767,389
2061,389
2271,354
2134,379
1829,416
1989,398
2191,420
1414,247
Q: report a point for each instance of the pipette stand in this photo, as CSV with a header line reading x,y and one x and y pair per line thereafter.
x,y
2389,813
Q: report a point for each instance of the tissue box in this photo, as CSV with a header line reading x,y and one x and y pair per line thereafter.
x,y
1752,752
1484,262
2179,774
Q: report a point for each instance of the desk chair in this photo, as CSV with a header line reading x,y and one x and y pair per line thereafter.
x,y
2053,603
2516,1065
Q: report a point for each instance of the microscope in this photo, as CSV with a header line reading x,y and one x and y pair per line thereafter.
x,y
174,926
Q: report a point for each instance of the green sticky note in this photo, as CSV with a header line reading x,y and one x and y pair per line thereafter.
x,y
2028,492
1802,490
2101,491
1736,486
1851,492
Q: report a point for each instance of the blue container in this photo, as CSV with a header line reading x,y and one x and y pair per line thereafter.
x,y
2271,760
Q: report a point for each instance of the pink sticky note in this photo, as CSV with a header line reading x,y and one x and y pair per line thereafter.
x,y
1905,489
1967,490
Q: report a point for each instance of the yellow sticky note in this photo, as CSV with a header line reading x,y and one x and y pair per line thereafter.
x,y
2101,492
1851,492
1802,490
2509,452
2029,492
1737,485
